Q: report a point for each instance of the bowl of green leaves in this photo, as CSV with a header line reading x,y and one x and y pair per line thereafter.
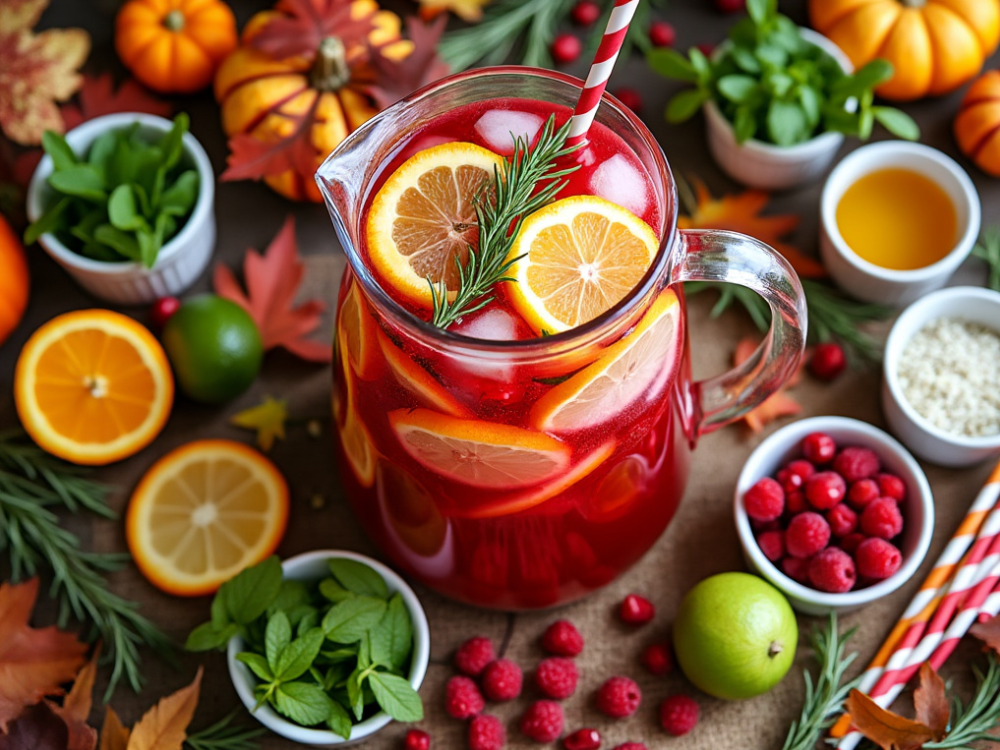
x,y
124,203
778,99
325,649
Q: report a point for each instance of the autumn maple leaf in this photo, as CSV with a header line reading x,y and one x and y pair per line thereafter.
x,y
778,404
467,10
97,97
397,77
988,632
165,724
301,25
267,419
272,282
114,734
889,730
76,705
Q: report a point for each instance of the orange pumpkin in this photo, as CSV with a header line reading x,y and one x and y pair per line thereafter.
x,y
934,45
267,97
174,46
977,125
13,280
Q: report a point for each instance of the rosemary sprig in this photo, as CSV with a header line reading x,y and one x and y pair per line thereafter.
x,y
824,698
225,735
973,723
499,213
988,248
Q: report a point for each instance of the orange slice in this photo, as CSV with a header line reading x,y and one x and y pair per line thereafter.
x,y
627,370
582,255
93,387
410,510
479,453
354,436
203,513
356,331
419,382
424,217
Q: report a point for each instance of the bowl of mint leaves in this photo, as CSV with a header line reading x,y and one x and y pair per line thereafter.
x,y
325,649
778,99
124,203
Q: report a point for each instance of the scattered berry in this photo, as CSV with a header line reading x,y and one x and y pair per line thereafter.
x,y
772,544
543,721
828,361
832,570
661,34
631,746
882,518
462,698
556,677
795,502
678,715
765,501
730,6
807,534
877,559
473,656
486,733
585,12
562,638
760,527
851,542
819,448
162,309
619,697
863,492
417,739
796,568
583,739
842,519
657,659
855,463
565,48
501,680
636,610
825,489
890,485
630,98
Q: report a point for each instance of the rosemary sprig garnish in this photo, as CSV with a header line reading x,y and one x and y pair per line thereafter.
x,y
988,248
225,735
973,723
500,212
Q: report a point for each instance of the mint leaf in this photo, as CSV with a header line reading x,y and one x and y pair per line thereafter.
x,y
220,616
786,123
348,621
333,591
761,10
56,147
180,197
298,656
358,577
122,210
258,665
277,635
210,636
396,696
672,64
355,695
119,241
173,144
251,592
101,152
339,720
684,104
897,122
392,639
52,220
81,181
737,88
304,703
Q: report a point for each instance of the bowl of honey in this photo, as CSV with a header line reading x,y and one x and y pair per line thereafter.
x,y
896,221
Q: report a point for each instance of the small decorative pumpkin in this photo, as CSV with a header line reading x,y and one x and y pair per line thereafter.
x,y
174,46
977,125
934,45
13,280
270,94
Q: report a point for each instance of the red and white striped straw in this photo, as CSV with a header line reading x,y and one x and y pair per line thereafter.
x,y
600,70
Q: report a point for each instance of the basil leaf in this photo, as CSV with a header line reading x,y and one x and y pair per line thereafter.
x,y
786,123
56,147
173,143
180,197
220,617
761,10
209,637
396,696
251,592
744,59
745,124
778,83
100,252
737,88
868,77
101,152
333,591
304,703
52,220
308,618
277,635
348,621
399,626
702,67
358,577
84,228
122,211
340,655
119,241
365,651
81,181
770,55
298,656
290,595
672,64
897,122
809,100
339,720
355,695
258,665
684,104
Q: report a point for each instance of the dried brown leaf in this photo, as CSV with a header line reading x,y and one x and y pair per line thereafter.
x,y
164,726
114,735
888,730
931,702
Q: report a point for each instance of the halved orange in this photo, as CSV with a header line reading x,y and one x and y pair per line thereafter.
x,y
204,512
424,217
93,387
418,381
356,331
625,372
479,453
581,256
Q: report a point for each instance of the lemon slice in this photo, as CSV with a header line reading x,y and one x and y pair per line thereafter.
x,y
581,256
356,330
418,381
627,370
424,217
479,453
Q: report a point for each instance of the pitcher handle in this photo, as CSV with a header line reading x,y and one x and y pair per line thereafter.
x,y
711,255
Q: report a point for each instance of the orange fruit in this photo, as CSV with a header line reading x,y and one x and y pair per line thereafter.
x,y
93,387
356,329
581,256
479,453
418,381
204,512
423,218
354,436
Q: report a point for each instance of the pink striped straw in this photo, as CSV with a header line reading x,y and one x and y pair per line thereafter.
x,y
983,601
600,71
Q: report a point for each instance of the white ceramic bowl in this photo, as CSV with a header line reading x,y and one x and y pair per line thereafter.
x,y
180,261
764,165
312,566
886,286
918,511
923,438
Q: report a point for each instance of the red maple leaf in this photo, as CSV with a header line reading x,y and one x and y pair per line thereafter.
x,y
303,24
98,97
395,77
76,705
250,158
272,282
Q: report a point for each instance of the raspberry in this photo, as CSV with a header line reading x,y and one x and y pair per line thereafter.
x,y
863,492
417,740
462,698
890,485
631,746
825,489
765,501
842,519
565,48
583,739
855,463
851,542
827,361
636,610
795,502
819,447
789,481
473,656
619,697
562,638
761,527
629,97
772,544
661,34
657,659
807,534
882,518
556,677
678,715
543,721
877,559
486,733
795,568
162,310
730,6
803,468
501,680
585,12
832,570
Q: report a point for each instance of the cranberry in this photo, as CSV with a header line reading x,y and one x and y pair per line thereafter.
x,y
417,739
661,34
583,739
630,98
636,610
828,361
565,48
585,12
162,309
819,448
730,6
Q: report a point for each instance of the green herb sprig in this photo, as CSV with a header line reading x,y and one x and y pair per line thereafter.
x,y
988,248
774,85
122,200
225,734
978,720
500,210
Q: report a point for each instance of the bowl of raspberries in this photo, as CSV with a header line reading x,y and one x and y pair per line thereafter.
x,y
834,512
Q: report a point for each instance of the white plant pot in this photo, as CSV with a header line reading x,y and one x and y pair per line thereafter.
x,y
180,261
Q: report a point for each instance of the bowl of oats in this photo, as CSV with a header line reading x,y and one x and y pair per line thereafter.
x,y
941,384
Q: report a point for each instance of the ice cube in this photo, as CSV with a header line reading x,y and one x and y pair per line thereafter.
x,y
499,127
618,181
490,325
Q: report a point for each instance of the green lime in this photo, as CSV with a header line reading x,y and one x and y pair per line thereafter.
x,y
214,347
735,636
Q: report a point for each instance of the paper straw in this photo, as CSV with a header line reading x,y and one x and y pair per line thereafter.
x,y
983,601
600,70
